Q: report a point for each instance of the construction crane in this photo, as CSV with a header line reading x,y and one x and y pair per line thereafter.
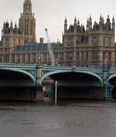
x,y
49,46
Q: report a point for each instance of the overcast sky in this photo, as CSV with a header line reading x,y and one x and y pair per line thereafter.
x,y
50,14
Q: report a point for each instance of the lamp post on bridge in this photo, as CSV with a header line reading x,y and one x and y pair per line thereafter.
x,y
39,58
39,71
56,62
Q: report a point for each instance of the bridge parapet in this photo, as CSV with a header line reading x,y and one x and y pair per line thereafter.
x,y
112,71
96,70
73,68
90,71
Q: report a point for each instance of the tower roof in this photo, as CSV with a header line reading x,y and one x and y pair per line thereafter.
x,y
27,0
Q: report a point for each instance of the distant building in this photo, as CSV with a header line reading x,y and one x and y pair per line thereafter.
x,y
90,46
93,46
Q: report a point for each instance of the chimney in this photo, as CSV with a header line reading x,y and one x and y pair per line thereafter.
x,y
41,40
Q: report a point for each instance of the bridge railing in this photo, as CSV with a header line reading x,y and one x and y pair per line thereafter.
x,y
73,68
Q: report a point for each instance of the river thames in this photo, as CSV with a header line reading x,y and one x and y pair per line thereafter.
x,y
67,119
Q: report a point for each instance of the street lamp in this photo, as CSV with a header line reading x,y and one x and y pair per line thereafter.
x,y
56,62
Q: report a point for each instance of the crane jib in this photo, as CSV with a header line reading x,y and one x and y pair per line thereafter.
x,y
49,47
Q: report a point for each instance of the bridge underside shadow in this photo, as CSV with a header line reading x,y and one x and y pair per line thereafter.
x,y
78,85
15,85
112,81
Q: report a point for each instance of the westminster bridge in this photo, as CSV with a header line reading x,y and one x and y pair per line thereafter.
x,y
24,81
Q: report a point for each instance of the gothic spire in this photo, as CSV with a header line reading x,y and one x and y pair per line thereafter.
x,y
90,18
75,20
113,19
65,21
11,24
78,22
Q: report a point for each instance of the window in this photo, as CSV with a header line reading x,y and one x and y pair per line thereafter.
x,y
19,41
95,41
109,40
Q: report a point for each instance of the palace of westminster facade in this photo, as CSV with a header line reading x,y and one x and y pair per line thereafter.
x,y
93,46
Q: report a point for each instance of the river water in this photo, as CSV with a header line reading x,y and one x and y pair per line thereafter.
x,y
67,119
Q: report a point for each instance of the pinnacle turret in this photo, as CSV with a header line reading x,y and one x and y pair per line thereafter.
x,y
100,26
78,22
65,21
113,20
113,24
75,21
65,25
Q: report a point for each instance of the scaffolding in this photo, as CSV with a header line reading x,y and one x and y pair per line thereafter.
x,y
109,89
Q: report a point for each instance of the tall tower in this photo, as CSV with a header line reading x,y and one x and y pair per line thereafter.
x,y
27,22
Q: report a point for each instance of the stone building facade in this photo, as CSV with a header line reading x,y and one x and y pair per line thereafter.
x,y
93,46
90,46
13,35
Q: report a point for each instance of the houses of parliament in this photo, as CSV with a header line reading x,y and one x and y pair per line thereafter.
x,y
90,45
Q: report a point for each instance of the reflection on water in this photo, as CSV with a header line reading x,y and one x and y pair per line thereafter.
x,y
68,119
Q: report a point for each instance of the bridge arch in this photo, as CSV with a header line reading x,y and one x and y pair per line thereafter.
x,y
9,75
85,73
76,84
112,79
